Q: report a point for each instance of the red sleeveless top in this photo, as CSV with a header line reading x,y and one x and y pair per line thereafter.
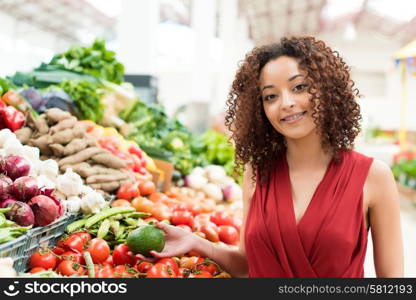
x,y
330,239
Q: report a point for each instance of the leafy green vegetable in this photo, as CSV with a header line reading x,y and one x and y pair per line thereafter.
x,y
95,60
86,96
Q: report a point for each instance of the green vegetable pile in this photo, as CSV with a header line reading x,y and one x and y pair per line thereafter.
x,y
86,96
9,230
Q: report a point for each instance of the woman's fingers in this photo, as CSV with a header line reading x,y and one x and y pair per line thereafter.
x,y
148,259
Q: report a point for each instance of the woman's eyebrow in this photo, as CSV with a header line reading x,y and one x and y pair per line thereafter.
x,y
295,76
267,87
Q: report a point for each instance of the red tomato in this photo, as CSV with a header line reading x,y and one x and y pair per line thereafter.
x,y
37,270
160,271
123,256
229,235
182,218
120,202
171,264
237,223
185,227
142,204
183,273
109,261
156,196
72,256
85,236
161,212
147,188
188,262
123,271
99,250
195,209
43,259
211,232
128,191
106,272
58,250
69,268
143,267
207,265
74,243
221,218
200,274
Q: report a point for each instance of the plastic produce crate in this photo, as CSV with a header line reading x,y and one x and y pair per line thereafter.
x,y
45,236
15,249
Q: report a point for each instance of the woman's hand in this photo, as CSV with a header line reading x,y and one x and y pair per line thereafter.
x,y
177,242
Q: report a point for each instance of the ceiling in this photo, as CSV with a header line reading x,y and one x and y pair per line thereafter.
x,y
64,18
271,19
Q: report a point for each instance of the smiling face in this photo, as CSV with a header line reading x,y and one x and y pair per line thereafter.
x,y
286,102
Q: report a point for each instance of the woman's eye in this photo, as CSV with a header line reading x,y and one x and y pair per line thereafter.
x,y
269,97
300,87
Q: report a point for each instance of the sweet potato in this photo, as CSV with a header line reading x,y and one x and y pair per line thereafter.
x,y
106,177
42,143
109,160
109,186
75,146
56,115
64,124
65,136
23,134
41,125
81,156
57,149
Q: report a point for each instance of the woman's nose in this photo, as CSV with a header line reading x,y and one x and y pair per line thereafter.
x,y
287,100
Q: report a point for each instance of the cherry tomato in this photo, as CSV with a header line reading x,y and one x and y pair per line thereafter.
x,y
221,218
123,256
206,265
156,196
123,271
182,217
171,263
37,270
74,243
109,261
106,272
161,212
200,274
128,191
147,188
142,204
143,267
69,268
120,202
85,236
160,271
211,232
44,259
58,250
72,256
229,235
99,250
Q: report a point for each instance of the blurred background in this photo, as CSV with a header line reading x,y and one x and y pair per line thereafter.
x,y
183,54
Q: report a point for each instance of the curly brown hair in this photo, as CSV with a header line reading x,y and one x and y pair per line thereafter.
x,y
337,114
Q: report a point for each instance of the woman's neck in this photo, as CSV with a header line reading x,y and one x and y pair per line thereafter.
x,y
306,154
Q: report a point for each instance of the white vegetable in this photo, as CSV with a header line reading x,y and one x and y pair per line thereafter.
x,y
31,154
73,204
198,171
195,181
49,168
85,190
5,135
59,195
232,193
69,183
45,182
12,146
92,203
6,267
213,191
226,182
215,174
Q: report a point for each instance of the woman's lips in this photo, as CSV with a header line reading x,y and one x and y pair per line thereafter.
x,y
293,118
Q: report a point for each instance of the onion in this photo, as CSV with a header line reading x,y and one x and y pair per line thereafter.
x,y
20,213
25,188
45,209
6,185
16,166
4,203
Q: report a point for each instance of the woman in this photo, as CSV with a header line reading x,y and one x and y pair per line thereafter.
x,y
309,199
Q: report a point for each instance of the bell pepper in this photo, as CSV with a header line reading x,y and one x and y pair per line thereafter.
x,y
12,118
